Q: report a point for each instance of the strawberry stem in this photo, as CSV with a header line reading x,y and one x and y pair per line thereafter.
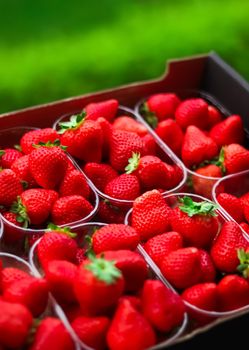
x,y
21,212
243,267
192,208
64,230
74,123
133,163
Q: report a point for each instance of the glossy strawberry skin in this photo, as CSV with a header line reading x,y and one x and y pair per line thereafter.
x,y
22,170
10,275
100,174
214,116
129,124
110,213
74,183
9,156
228,131
203,186
34,137
171,133
232,205
149,145
192,112
124,187
203,295
163,105
106,109
208,272
236,158
10,187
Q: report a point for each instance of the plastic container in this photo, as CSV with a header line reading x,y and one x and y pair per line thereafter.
x,y
166,153
87,229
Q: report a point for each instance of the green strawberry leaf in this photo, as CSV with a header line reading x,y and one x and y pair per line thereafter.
x,y
18,148
2,152
74,123
149,116
21,212
243,267
64,230
55,143
133,163
192,208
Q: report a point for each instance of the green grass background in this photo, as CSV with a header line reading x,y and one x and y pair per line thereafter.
x,y
52,49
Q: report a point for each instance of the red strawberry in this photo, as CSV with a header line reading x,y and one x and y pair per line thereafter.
x,y
203,295
163,106
60,275
193,111
232,205
224,249
197,222
233,292
106,109
106,128
15,324
10,187
214,116
135,301
11,275
228,131
114,237
171,133
100,174
124,186
92,330
149,145
182,267
132,265
150,215
69,209
161,245
244,199
236,158
52,334
34,137
197,147
98,285
122,145
208,272
201,183
12,217
81,255
8,156
22,170
245,227
121,334
162,307
74,183
127,123
109,213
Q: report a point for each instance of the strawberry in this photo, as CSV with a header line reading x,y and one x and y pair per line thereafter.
x,y
236,158
70,209
114,237
214,116
132,265
150,215
228,131
10,187
233,292
149,145
82,137
98,285
124,187
197,222
208,272
100,174
22,170
8,156
57,244
74,183
121,334
81,255
10,275
34,137
161,245
162,307
194,112
201,183
122,145
135,301
171,133
245,227
109,213
12,217
15,324
52,334
224,249
244,199
106,109
60,276
197,147
127,123
106,128
203,295
160,107
232,205
182,267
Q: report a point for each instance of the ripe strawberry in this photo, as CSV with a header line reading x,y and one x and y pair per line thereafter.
x,y
171,133
10,187
12,217
135,301
81,255
98,285
233,292
109,213
236,158
10,275
214,116
197,222
57,244
229,130
182,267
127,123
22,170
162,307
106,128
201,183
114,237
124,186
161,245
8,156
149,145
15,324
232,205
194,112
150,215
224,249
197,147
203,295
52,334
60,276
122,145
132,265
100,174
106,109
82,137
244,199
245,227
92,330
34,137
208,272
121,334
162,106
74,183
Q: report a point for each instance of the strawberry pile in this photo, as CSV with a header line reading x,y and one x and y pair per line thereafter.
x,y
201,256
196,131
107,290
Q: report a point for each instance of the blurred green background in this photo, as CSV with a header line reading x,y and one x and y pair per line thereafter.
x,y
51,49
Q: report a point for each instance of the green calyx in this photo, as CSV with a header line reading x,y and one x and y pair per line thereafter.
x,y
50,144
218,161
64,230
2,152
21,212
18,148
133,163
149,116
103,270
192,208
74,123
243,267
